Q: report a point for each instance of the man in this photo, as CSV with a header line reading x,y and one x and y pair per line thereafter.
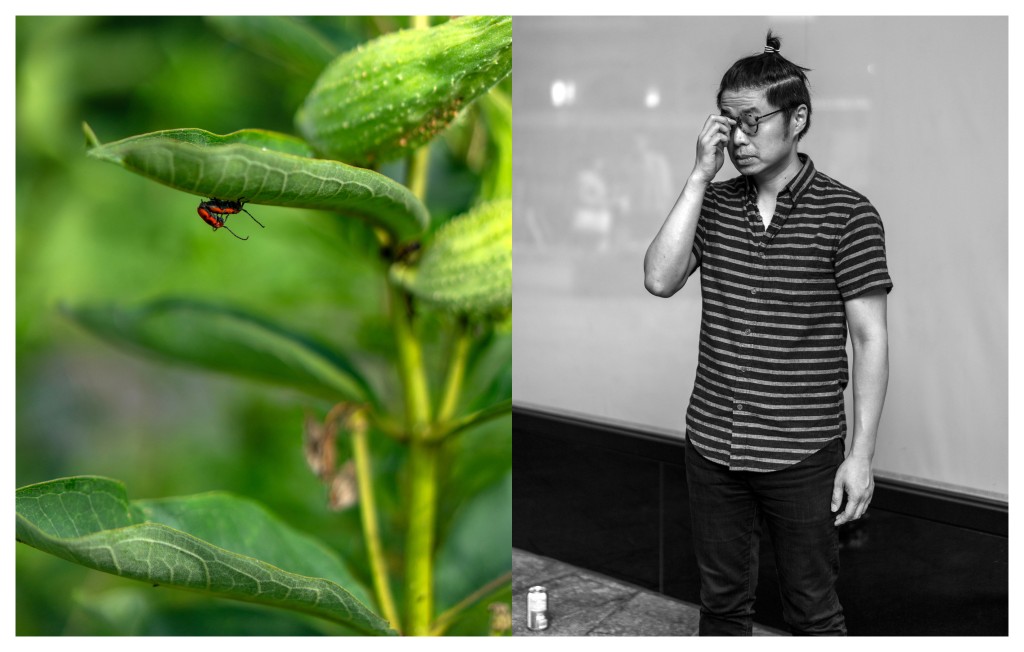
x,y
789,260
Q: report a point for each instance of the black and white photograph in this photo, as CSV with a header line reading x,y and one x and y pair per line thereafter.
x,y
760,269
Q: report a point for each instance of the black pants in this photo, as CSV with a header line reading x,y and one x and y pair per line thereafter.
x,y
795,504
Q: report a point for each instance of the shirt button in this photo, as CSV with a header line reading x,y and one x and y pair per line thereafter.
x,y
746,332
739,407
761,254
753,290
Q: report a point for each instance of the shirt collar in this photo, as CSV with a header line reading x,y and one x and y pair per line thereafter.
x,y
798,184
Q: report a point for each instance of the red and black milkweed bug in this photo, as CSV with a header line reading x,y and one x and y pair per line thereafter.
x,y
214,211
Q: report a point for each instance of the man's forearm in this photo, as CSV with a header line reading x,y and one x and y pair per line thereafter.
x,y
668,257
870,380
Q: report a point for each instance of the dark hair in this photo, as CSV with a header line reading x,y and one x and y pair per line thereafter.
x,y
784,83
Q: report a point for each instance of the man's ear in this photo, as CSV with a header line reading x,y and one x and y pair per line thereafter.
x,y
798,121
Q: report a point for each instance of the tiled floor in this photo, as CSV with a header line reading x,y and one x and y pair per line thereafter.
x,y
584,603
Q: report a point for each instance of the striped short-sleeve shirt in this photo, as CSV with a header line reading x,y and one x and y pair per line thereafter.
x,y
772,363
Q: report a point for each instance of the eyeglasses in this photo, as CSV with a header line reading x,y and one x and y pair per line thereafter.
x,y
748,122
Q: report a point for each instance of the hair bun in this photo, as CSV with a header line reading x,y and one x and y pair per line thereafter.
x,y
772,43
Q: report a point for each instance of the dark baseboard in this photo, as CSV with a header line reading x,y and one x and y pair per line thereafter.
x,y
612,498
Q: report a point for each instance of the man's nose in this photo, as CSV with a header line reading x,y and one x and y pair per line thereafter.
x,y
738,136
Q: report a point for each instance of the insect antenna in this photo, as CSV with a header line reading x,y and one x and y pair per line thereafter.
x,y
253,218
235,234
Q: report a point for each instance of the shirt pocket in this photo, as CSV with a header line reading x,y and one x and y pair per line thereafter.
x,y
800,279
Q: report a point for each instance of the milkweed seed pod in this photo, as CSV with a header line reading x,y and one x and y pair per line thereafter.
x,y
388,97
467,267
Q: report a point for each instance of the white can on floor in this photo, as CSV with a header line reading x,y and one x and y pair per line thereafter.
x,y
537,608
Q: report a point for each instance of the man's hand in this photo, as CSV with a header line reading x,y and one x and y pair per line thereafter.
x,y
711,147
855,478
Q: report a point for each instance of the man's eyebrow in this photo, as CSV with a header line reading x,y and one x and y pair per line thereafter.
x,y
746,109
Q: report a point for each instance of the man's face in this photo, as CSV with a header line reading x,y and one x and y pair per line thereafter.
x,y
771,146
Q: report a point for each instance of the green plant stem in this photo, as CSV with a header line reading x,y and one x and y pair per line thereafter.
x,y
410,362
454,427
456,374
416,179
422,506
445,620
423,454
419,161
423,457
424,473
371,527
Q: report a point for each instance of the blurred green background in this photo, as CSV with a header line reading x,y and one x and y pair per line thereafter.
x,y
89,232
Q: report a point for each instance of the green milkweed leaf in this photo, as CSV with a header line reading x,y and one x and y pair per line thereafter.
x,y
265,167
285,39
230,341
213,543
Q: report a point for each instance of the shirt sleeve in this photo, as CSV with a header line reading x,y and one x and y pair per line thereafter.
x,y
860,263
707,209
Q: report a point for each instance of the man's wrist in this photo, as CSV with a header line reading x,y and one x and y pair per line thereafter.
x,y
859,454
697,181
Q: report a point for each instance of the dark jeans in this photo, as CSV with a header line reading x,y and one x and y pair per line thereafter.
x,y
795,504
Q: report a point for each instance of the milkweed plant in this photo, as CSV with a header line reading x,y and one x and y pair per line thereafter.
x,y
383,101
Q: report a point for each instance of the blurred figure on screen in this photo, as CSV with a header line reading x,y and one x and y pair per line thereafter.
x,y
593,219
654,182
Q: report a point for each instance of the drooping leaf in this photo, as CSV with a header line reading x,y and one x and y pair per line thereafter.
x,y
212,543
229,341
284,39
265,167
467,265
397,92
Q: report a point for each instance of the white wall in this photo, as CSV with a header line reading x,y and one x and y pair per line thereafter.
x,y
912,112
